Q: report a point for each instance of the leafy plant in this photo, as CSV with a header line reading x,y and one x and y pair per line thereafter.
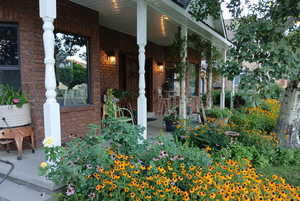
x,y
123,137
164,148
171,118
219,113
202,136
10,96
76,160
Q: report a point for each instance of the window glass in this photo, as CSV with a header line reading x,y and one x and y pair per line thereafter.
x,y
10,77
8,45
72,69
9,55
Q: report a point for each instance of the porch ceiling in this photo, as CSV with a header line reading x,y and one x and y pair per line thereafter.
x,y
120,15
164,16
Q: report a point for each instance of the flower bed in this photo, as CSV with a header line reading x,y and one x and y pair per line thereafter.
x,y
163,168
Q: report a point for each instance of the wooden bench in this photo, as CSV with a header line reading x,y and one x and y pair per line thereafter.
x,y
17,134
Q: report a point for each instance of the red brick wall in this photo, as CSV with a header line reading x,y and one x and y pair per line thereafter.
x,y
26,14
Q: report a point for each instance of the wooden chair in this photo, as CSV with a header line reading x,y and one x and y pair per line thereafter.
x,y
164,103
123,114
17,134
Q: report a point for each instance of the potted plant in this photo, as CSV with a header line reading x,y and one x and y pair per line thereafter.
x,y
171,120
222,115
14,108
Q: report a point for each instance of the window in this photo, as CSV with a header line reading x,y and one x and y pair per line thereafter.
x,y
9,55
72,69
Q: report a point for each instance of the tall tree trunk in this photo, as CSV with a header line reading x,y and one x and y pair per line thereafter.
x,y
209,100
288,126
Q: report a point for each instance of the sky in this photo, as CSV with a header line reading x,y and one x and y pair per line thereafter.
x,y
226,13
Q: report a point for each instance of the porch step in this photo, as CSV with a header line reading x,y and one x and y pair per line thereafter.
x,y
26,170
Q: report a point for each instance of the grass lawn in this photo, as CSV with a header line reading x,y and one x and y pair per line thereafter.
x,y
290,173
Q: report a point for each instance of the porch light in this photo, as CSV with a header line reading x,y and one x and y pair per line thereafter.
x,y
163,18
111,57
160,66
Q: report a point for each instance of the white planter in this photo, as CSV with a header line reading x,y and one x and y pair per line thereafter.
x,y
14,116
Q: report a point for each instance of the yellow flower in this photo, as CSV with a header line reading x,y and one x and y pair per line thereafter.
x,y
48,142
212,195
43,164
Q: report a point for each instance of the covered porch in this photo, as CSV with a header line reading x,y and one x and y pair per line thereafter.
x,y
136,33
152,23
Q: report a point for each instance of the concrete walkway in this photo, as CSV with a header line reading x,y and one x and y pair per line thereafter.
x,y
25,184
11,191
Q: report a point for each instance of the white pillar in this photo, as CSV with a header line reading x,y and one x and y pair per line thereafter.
x,y
142,42
222,96
182,104
51,107
232,94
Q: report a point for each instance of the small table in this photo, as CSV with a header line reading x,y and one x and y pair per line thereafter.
x,y
17,134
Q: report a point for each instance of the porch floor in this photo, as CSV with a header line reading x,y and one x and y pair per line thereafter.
x,y
25,180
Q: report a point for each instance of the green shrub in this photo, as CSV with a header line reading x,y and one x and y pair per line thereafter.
x,y
239,152
123,137
219,113
253,121
216,95
202,136
286,157
76,160
163,149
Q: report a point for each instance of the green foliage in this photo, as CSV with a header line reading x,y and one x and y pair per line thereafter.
x,y
274,91
171,118
239,152
76,160
122,136
203,136
253,121
111,104
72,75
201,9
286,157
267,36
216,94
291,174
10,96
163,149
219,113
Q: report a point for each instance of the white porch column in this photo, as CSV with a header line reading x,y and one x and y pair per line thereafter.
x,y
232,94
51,107
182,104
222,97
142,42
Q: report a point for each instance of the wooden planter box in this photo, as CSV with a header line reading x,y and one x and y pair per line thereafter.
x,y
12,116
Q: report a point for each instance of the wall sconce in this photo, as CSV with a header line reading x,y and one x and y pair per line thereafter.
x,y
160,66
111,57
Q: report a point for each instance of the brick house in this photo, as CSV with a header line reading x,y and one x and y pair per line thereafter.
x,y
100,43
